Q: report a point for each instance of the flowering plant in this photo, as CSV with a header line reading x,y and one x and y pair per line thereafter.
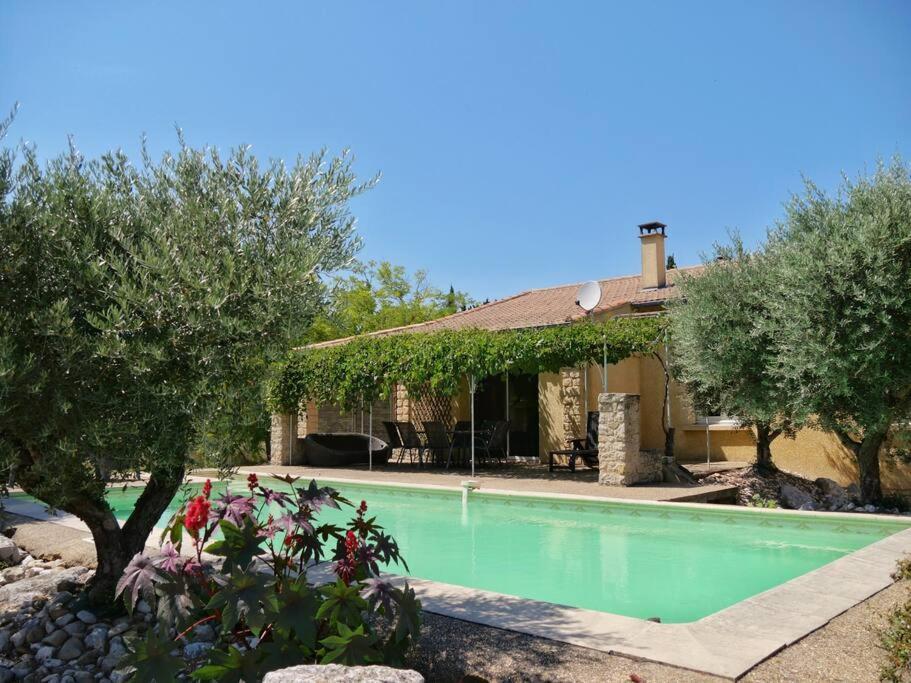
x,y
286,589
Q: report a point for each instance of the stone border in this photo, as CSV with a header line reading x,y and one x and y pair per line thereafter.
x,y
727,643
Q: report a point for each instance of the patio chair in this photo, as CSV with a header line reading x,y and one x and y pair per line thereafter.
x,y
411,442
491,442
395,439
437,440
585,449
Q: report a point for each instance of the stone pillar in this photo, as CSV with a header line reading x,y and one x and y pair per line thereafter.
x,y
401,404
571,393
283,437
618,439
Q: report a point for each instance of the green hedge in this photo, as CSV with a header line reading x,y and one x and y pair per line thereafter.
x,y
366,368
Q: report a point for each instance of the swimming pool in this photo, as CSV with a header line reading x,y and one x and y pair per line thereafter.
x,y
677,562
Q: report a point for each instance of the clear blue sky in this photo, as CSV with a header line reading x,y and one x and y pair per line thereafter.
x,y
520,143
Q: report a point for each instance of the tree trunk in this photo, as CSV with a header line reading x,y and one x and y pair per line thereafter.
x,y
867,455
866,452
115,546
764,437
669,443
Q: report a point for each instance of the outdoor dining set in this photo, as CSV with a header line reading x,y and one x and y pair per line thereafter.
x,y
437,444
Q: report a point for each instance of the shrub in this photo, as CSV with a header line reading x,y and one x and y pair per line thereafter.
x,y
895,638
258,596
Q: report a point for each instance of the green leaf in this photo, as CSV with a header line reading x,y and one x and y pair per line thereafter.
x,y
350,646
244,596
230,666
297,613
239,545
342,604
153,660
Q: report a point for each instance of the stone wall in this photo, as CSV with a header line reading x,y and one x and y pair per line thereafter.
x,y
571,393
283,447
621,459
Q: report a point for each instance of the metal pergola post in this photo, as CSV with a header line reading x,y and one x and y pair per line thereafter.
x,y
370,441
472,386
508,452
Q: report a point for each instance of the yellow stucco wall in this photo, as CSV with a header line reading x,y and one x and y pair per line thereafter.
x,y
550,413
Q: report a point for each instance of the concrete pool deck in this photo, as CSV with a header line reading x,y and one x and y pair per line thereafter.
x,y
519,478
728,643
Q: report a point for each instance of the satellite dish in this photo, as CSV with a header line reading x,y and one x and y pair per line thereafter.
x,y
589,295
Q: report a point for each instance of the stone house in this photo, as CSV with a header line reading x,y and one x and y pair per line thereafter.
x,y
548,409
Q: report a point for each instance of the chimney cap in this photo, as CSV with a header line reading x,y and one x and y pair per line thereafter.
x,y
654,227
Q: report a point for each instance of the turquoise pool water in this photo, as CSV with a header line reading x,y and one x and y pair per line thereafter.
x,y
673,562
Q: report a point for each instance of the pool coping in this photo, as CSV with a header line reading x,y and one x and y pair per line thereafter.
x,y
727,643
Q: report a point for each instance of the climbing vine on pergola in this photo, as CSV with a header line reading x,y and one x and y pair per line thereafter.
x,y
366,368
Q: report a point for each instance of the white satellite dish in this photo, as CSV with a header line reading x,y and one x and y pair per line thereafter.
x,y
589,295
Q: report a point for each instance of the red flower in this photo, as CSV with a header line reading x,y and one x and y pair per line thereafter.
x,y
252,481
346,566
363,508
207,489
197,515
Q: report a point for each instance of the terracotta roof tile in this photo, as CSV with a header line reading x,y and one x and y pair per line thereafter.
x,y
540,307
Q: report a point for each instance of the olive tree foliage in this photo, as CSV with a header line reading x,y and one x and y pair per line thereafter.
x,y
139,308
722,347
840,311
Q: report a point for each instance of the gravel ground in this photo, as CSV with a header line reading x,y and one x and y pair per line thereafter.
x,y
845,649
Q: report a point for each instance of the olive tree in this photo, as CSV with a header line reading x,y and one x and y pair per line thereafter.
x,y
139,308
722,349
840,311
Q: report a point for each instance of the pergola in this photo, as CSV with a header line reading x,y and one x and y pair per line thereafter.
x,y
367,367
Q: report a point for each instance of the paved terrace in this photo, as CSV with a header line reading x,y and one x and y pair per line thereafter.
x,y
526,478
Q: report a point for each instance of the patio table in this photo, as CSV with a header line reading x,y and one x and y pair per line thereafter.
x,y
461,432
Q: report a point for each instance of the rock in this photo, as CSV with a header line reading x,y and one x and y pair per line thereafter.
x,y
57,610
86,617
76,628
143,607
109,663
67,678
196,650
7,674
122,675
793,497
35,633
57,638
18,638
63,598
9,551
83,677
64,619
4,641
336,673
204,633
807,506
97,639
117,648
44,653
869,508
71,649
67,585
24,591
119,628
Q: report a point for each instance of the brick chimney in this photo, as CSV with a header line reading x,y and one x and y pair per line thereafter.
x,y
652,237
